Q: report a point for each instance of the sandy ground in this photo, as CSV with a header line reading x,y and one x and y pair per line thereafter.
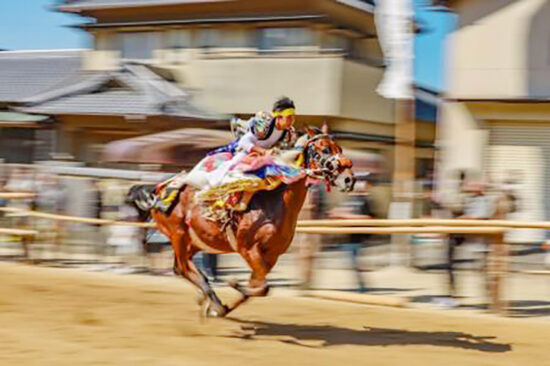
x,y
68,317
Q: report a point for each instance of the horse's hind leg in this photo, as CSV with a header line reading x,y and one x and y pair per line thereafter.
x,y
213,305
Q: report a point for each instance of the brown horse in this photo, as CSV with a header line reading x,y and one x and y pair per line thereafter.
x,y
260,234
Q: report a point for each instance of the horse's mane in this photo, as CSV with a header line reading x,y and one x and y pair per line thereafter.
x,y
305,137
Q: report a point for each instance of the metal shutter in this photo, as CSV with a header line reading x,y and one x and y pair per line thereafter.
x,y
522,152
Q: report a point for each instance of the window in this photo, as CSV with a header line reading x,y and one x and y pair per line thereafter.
x,y
106,42
139,45
337,43
179,38
227,38
275,38
207,38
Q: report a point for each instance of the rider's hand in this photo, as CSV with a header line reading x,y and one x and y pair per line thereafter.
x,y
258,150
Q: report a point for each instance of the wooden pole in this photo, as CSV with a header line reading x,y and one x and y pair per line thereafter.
x,y
404,151
403,175
497,269
25,245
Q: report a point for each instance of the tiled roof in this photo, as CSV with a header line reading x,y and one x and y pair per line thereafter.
x,y
26,73
134,90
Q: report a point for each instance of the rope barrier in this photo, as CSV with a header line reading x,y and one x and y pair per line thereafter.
x,y
18,232
510,224
76,219
482,230
16,195
341,226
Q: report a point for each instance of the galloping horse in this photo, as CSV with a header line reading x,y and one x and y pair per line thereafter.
x,y
261,233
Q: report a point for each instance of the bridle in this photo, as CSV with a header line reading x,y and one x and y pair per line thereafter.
x,y
328,165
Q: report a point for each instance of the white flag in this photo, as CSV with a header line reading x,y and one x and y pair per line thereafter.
x,y
394,25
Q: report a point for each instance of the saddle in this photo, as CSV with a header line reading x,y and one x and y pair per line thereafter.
x,y
168,191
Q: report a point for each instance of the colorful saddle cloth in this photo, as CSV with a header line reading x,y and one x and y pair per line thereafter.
x,y
251,174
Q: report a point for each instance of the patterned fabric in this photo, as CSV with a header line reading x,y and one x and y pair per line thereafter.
x,y
252,174
262,125
239,127
213,161
229,177
229,148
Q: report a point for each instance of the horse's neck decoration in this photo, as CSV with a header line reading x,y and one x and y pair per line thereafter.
x,y
324,161
261,233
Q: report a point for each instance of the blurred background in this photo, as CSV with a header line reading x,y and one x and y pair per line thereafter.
x,y
446,109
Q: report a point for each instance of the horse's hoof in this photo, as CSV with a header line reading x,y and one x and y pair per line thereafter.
x,y
209,310
219,311
216,313
259,291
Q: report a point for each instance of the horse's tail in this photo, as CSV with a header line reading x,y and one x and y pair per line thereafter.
x,y
143,198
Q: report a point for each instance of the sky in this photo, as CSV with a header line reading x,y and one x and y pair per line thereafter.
x,y
31,25
429,45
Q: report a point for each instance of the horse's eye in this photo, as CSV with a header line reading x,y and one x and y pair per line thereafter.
x,y
326,151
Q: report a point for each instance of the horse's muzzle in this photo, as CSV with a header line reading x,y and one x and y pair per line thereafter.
x,y
349,183
345,181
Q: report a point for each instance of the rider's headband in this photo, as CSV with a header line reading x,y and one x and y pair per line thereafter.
x,y
284,113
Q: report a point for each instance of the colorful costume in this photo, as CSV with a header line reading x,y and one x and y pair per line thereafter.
x,y
214,169
229,176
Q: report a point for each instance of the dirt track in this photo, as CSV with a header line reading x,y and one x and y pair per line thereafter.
x,y
66,317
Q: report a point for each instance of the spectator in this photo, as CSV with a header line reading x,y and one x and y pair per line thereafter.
x,y
472,203
50,195
359,206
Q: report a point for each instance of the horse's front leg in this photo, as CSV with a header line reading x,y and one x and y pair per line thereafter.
x,y
261,264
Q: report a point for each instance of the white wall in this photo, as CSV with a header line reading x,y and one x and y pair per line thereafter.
x,y
501,49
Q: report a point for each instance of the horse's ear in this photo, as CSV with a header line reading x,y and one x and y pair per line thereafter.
x,y
324,129
310,131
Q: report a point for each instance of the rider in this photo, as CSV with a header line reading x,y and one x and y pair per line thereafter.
x,y
263,132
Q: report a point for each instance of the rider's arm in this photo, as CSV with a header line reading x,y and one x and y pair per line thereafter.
x,y
248,143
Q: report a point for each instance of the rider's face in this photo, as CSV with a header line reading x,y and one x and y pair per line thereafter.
x,y
284,122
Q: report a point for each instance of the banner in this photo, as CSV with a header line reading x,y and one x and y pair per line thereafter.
x,y
394,24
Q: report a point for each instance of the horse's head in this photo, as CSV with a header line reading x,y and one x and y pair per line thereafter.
x,y
324,160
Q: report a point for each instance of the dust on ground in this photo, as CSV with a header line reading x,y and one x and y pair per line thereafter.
x,y
68,317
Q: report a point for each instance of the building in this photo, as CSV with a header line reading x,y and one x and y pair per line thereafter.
x,y
93,108
236,56
23,74
495,117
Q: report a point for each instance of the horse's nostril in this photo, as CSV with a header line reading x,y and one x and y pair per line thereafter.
x,y
348,179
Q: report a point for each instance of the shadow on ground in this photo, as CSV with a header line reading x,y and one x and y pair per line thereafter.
x,y
320,336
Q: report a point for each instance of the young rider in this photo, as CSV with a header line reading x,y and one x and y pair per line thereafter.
x,y
263,132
